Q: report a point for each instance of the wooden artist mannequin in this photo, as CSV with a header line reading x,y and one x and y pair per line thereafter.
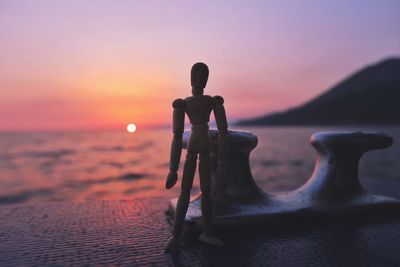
x,y
198,108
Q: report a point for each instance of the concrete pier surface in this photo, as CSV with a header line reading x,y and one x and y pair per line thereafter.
x,y
133,232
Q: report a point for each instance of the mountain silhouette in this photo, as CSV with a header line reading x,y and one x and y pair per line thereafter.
x,y
369,96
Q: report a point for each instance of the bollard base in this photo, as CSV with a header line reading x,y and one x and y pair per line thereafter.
x,y
286,208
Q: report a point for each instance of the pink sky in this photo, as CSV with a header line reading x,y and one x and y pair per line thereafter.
x,y
102,64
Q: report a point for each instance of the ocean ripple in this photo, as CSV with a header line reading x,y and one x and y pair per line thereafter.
x,y
54,154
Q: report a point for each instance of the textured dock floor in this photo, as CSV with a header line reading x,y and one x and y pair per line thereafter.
x,y
133,233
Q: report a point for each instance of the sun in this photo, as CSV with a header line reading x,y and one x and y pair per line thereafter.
x,y
131,128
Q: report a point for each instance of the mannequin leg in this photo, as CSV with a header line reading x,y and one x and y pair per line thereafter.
x,y
189,170
205,186
206,204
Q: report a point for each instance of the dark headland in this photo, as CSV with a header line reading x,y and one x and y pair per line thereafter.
x,y
369,96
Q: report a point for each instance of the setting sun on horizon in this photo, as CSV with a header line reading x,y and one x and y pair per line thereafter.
x,y
131,128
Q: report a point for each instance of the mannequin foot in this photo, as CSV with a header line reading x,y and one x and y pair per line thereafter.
x,y
210,239
172,244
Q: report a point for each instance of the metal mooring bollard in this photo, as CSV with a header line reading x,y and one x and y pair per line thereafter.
x,y
335,177
332,190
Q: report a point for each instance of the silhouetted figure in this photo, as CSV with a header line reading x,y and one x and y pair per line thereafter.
x,y
198,108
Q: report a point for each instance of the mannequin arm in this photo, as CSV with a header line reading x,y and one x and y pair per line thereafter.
x,y
176,146
223,139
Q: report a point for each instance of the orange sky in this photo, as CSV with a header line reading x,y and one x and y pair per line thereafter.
x,y
102,64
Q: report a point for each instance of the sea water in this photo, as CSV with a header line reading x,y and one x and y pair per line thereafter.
x,y
57,166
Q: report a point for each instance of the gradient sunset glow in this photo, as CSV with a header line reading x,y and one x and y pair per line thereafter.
x,y
103,64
